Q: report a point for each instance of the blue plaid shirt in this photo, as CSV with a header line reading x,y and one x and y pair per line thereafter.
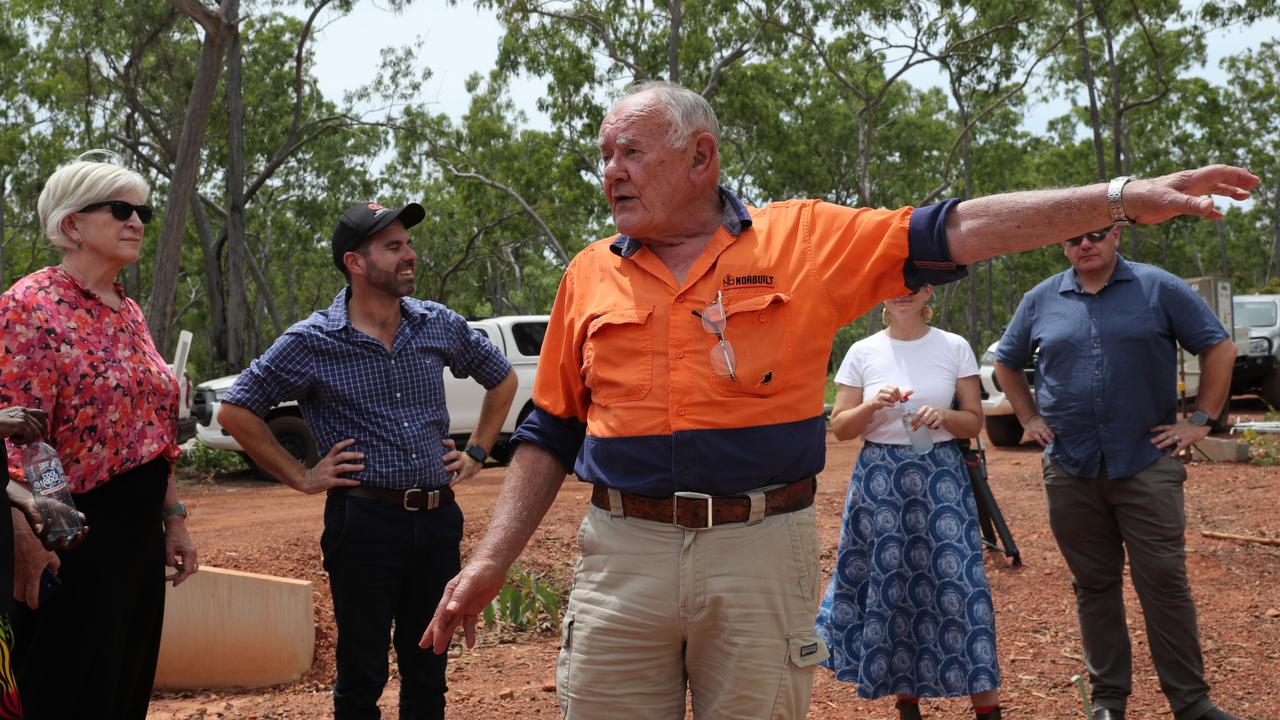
x,y
391,402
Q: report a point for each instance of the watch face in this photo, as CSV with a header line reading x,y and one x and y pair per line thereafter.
x,y
476,452
1200,417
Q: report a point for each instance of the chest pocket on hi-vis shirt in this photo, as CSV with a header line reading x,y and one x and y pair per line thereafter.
x,y
758,330
617,357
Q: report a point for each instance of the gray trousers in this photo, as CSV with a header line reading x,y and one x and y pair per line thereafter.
x,y
1095,520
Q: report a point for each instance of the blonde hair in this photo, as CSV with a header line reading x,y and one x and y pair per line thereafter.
x,y
82,182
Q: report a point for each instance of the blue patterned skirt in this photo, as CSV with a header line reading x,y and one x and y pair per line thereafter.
x,y
908,609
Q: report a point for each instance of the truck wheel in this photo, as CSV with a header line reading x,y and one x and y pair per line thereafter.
x,y
1004,430
1271,388
294,436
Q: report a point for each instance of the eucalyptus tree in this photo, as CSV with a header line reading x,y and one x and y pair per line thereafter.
x,y
1251,117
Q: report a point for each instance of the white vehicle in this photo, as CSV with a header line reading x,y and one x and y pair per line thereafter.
x,y
1258,367
1003,428
518,336
186,423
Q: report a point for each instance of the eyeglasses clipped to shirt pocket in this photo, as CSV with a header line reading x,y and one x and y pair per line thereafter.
x,y
758,328
617,356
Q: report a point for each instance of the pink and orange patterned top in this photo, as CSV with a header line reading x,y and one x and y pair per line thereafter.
x,y
111,398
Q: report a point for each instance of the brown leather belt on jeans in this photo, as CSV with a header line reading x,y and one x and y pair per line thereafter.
x,y
696,510
411,499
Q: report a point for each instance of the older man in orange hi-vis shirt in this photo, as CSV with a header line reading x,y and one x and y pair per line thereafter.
x,y
682,376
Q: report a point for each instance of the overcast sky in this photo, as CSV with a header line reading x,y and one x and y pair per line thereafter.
x,y
461,40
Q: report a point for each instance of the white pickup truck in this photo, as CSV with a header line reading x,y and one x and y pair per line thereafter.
x,y
518,336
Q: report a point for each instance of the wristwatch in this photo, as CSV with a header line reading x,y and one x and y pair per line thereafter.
x,y
1115,205
175,510
1200,418
476,452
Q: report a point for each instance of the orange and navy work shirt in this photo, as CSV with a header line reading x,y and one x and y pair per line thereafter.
x,y
111,398
626,394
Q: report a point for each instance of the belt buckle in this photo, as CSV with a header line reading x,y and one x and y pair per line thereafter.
x,y
408,494
433,499
675,508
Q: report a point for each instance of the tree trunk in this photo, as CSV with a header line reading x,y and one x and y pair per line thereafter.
x,y
237,303
218,364
4,197
186,165
673,42
1273,266
1091,84
1222,249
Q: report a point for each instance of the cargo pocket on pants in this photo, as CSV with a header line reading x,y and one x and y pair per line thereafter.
x,y
564,664
804,651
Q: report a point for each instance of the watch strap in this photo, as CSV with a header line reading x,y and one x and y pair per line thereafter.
x,y
1115,201
176,510
476,452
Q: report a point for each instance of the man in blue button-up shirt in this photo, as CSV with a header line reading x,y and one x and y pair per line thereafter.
x,y
367,373
1107,332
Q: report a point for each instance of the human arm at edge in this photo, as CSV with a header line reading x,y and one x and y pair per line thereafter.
x,y
493,412
1216,364
1013,222
849,414
966,420
533,479
179,549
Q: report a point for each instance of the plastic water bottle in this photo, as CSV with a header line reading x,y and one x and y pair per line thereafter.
x,y
48,485
921,441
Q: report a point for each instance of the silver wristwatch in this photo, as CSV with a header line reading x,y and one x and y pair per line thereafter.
x,y
1115,204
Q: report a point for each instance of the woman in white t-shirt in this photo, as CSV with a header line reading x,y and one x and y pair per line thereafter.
x,y
908,610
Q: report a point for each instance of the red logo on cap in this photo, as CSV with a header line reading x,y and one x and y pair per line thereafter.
x,y
375,206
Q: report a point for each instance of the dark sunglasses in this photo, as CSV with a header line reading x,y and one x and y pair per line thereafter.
x,y
121,210
1094,237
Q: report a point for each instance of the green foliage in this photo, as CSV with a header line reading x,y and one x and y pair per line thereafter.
x,y
204,459
1264,448
526,602
816,98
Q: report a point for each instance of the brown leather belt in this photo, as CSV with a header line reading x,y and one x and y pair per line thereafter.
x,y
698,511
412,499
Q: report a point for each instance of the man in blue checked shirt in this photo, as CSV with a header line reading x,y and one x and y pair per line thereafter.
x,y
367,374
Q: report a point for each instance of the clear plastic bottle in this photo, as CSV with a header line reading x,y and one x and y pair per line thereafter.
x,y
921,441
48,485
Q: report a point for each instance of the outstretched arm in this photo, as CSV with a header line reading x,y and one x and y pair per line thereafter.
x,y
1012,222
533,479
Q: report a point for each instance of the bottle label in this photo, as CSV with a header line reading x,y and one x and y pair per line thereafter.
x,y
49,480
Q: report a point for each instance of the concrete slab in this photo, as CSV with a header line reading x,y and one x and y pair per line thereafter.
x,y
224,628
1223,450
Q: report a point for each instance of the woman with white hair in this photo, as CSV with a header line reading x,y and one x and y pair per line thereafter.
x,y
908,610
77,347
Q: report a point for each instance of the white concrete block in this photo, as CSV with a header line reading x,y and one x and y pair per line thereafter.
x,y
224,628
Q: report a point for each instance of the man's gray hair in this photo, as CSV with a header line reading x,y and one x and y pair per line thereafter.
x,y
687,112
92,177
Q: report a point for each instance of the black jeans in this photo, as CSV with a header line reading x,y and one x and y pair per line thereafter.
x,y
387,567
90,650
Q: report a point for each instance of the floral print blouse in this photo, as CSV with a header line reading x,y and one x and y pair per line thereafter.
x,y
111,398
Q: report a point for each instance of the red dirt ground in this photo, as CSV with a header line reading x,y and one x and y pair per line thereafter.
x,y
247,524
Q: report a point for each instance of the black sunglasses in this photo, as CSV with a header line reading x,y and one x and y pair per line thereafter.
x,y
1094,237
121,210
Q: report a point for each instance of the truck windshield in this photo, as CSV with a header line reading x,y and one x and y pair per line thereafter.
x,y
1256,313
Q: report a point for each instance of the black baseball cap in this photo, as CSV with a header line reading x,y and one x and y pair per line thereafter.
x,y
361,220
